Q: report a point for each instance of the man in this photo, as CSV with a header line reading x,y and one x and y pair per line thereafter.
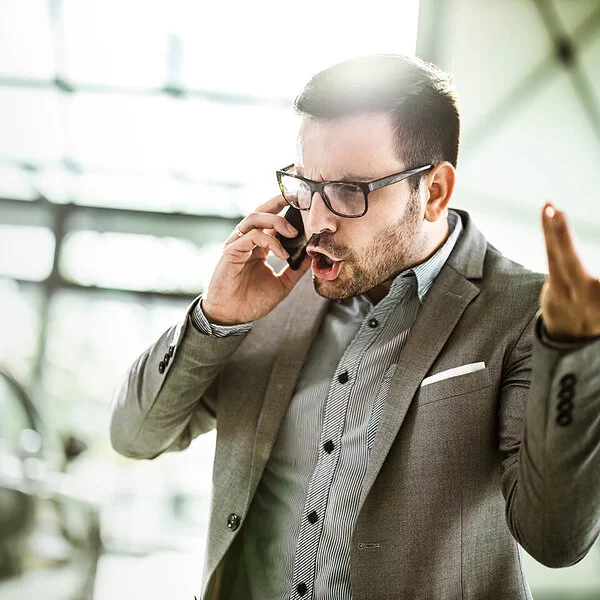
x,y
392,426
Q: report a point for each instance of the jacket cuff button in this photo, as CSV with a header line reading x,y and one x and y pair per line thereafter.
x,y
568,380
161,367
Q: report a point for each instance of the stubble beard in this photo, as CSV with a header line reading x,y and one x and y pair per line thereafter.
x,y
393,250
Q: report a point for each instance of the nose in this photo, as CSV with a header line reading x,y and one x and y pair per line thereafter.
x,y
318,218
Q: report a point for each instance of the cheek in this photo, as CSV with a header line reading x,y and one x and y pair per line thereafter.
x,y
303,215
360,241
390,204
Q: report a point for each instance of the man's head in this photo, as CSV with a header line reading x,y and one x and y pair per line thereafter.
x,y
365,119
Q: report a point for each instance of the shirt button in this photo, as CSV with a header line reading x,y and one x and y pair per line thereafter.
x,y
343,377
328,446
373,323
233,521
313,517
301,588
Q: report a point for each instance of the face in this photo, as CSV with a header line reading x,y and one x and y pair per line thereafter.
x,y
355,256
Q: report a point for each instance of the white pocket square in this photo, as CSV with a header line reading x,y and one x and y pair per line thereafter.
x,y
455,372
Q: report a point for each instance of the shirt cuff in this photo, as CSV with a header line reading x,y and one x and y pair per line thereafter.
x,y
202,324
543,336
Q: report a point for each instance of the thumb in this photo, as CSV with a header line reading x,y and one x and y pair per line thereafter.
x,y
290,278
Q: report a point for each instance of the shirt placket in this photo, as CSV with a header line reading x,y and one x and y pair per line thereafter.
x,y
330,446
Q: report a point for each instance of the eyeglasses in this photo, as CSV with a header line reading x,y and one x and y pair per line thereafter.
x,y
342,198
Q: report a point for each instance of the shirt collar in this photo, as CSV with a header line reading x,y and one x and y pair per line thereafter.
x,y
427,271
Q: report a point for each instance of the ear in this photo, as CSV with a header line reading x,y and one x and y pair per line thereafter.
x,y
439,183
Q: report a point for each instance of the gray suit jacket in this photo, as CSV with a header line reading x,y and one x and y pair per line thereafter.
x,y
461,471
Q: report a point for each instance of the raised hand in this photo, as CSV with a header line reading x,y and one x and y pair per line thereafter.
x,y
243,286
571,296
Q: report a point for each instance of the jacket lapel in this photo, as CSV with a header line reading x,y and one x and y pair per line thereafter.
x,y
301,328
444,304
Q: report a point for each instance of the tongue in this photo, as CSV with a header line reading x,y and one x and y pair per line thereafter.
x,y
322,271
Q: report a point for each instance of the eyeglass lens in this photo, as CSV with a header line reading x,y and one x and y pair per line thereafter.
x,y
344,198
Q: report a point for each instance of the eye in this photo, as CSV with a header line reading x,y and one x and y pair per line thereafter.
x,y
346,198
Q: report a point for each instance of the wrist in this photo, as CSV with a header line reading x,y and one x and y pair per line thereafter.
x,y
213,316
562,340
570,338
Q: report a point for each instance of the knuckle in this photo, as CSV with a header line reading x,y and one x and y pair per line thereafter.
x,y
592,286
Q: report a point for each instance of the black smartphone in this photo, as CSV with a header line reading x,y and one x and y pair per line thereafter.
x,y
296,246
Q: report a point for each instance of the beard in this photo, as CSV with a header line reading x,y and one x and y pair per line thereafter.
x,y
393,250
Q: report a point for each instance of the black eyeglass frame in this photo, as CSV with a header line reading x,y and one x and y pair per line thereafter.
x,y
366,186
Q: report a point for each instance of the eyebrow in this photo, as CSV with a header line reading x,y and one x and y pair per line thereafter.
x,y
346,177
360,178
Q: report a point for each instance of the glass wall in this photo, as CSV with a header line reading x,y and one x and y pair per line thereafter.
x,y
135,135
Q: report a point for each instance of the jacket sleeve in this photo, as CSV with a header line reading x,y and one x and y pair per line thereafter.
x,y
549,434
168,396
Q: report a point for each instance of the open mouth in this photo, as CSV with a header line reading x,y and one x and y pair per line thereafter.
x,y
323,266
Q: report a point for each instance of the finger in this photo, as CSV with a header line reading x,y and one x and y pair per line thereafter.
x,y
274,205
554,265
244,246
270,224
560,241
233,236
289,277
268,221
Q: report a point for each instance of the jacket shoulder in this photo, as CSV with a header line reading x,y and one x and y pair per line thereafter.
x,y
506,276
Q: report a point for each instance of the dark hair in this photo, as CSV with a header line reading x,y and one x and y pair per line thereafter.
x,y
419,97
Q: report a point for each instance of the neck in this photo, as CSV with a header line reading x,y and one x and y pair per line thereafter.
x,y
380,291
437,237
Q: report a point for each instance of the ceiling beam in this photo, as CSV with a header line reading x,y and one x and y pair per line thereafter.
x,y
529,85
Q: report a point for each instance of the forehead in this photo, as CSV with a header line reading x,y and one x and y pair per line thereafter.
x,y
358,146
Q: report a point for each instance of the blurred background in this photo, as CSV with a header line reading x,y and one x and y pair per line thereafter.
x,y
133,136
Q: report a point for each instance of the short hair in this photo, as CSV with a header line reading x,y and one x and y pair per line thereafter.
x,y
419,97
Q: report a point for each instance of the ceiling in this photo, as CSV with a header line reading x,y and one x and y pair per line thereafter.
x,y
122,112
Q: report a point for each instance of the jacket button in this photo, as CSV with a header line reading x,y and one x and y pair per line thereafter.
x,y
233,521
343,377
568,380
564,419
161,367
566,393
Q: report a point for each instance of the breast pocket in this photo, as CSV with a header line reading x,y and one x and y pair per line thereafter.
x,y
378,404
455,386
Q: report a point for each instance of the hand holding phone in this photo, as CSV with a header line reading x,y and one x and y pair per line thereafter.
x,y
243,286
